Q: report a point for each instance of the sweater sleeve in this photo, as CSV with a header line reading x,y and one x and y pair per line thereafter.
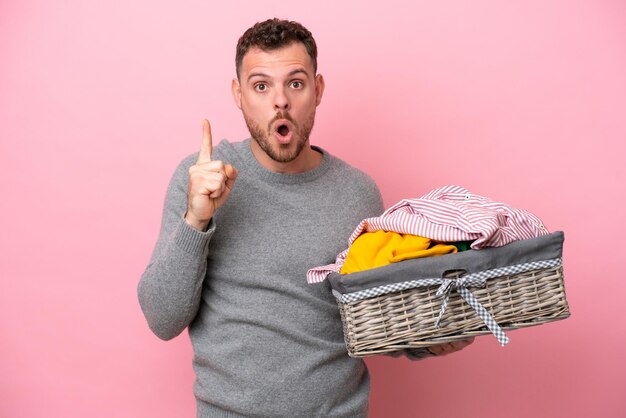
x,y
170,288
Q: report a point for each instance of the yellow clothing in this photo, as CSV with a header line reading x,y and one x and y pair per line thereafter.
x,y
377,249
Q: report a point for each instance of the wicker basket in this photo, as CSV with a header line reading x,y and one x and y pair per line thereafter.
x,y
407,318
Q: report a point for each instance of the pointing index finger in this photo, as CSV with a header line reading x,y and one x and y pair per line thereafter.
x,y
207,142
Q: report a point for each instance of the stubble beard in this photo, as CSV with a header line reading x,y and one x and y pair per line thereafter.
x,y
282,153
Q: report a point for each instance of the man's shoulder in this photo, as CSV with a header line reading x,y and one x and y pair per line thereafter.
x,y
225,150
351,172
352,182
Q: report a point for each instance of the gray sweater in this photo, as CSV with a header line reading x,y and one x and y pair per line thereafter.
x,y
265,342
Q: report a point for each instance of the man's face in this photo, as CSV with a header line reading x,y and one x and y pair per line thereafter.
x,y
277,91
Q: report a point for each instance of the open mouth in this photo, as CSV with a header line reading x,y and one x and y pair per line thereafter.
x,y
283,130
283,133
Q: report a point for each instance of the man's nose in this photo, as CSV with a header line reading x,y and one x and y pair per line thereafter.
x,y
281,101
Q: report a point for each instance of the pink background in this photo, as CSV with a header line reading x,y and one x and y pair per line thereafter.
x,y
523,102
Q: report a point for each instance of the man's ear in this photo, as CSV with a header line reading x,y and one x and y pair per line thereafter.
x,y
319,89
236,90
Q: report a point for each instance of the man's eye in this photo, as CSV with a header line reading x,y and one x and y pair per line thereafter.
x,y
260,87
296,84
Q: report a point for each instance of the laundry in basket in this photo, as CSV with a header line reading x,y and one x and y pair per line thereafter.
x,y
426,301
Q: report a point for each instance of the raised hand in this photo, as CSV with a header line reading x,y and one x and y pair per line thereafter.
x,y
210,183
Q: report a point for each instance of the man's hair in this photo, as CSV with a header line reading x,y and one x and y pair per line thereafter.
x,y
275,34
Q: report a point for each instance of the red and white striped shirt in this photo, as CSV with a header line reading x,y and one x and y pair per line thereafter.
x,y
447,214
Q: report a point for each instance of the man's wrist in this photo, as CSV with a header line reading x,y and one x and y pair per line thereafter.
x,y
196,224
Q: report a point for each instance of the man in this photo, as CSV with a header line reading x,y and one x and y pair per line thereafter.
x,y
242,224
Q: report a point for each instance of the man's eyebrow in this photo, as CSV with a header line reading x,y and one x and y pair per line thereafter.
x,y
298,70
291,73
257,74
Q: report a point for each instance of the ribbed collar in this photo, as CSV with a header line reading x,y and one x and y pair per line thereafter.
x,y
271,177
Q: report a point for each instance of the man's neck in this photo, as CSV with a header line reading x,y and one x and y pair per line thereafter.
x,y
307,160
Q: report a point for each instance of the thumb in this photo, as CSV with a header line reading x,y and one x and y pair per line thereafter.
x,y
231,173
231,176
